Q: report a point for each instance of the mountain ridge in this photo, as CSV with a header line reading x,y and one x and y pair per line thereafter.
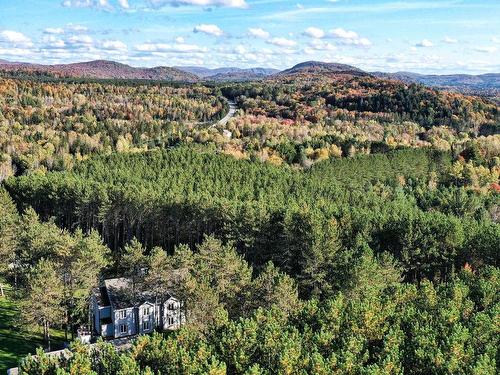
x,y
442,79
229,73
487,84
319,67
101,69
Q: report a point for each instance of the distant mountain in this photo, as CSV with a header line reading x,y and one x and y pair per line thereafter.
x,y
228,74
199,71
318,67
101,69
243,75
484,84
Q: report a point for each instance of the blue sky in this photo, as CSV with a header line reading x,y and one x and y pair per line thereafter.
x,y
440,36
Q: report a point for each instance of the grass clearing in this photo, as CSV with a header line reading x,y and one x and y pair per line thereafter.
x,y
15,342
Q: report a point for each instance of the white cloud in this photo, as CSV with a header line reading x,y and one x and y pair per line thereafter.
x,y
86,4
286,51
208,29
52,30
76,27
114,45
240,49
150,47
309,51
250,57
75,46
15,52
53,42
486,49
124,4
179,39
350,37
80,40
424,43
282,42
204,3
320,45
344,34
15,38
187,48
58,44
449,40
163,47
259,33
314,32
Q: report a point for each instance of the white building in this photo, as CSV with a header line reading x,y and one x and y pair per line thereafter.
x,y
118,310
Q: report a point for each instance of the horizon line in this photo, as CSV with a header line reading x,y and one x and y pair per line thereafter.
x,y
3,60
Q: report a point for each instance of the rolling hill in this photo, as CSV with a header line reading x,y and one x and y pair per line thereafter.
x,y
229,74
476,81
318,67
487,85
101,69
484,84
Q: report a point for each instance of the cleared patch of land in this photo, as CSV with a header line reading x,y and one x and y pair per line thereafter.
x,y
15,342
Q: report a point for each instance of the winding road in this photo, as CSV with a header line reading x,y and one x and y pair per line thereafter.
x,y
232,110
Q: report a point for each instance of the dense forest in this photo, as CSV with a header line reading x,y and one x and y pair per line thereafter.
x,y
344,226
49,125
323,99
325,116
376,326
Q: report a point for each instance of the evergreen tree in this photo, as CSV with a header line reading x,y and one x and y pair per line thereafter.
x,y
42,305
9,225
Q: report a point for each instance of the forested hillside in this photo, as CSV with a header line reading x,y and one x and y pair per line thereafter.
x,y
275,213
319,98
335,225
487,85
49,125
374,264
304,118
96,69
377,327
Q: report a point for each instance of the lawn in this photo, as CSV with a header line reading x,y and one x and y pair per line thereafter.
x,y
14,342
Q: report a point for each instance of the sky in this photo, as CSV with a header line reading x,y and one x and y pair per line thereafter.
x,y
424,36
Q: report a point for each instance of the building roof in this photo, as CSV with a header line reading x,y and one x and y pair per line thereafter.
x,y
122,293
101,296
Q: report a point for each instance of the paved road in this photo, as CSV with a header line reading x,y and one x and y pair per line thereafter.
x,y
232,110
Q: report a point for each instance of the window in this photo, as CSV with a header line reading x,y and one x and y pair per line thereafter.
x,y
146,311
171,306
123,328
122,314
171,321
146,326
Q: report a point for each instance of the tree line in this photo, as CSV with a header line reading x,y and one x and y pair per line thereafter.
x,y
244,320
404,202
374,325
50,125
325,99
379,264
